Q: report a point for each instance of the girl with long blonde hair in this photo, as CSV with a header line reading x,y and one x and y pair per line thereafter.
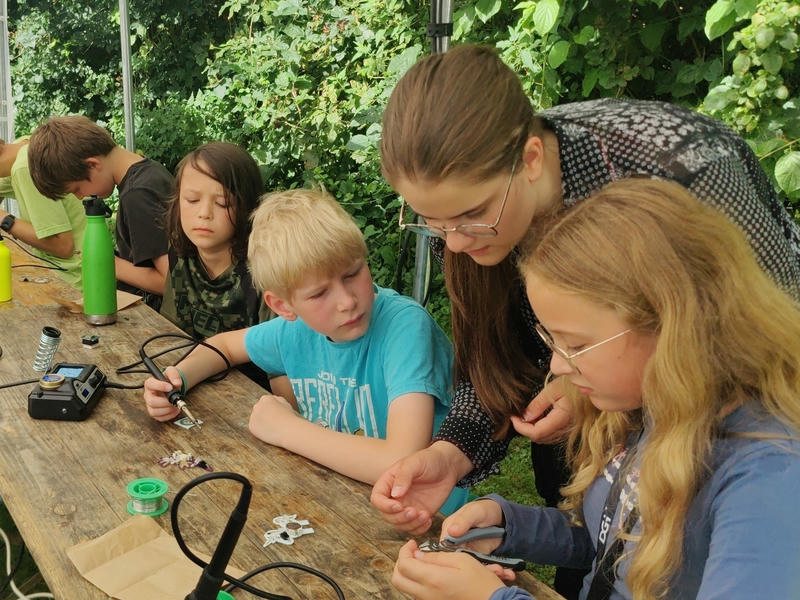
x,y
476,167
682,364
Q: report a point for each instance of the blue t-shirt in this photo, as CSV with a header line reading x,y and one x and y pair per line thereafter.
x,y
741,534
348,386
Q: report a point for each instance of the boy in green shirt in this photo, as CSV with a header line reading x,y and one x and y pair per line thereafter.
x,y
54,230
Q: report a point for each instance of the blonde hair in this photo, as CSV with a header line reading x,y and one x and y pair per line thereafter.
x,y
726,334
300,233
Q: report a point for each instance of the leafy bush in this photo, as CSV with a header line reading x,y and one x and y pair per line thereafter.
x,y
302,83
760,97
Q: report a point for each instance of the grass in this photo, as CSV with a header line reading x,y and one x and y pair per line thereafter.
x,y
27,577
515,482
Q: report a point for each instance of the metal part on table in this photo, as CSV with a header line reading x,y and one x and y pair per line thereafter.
x,y
289,528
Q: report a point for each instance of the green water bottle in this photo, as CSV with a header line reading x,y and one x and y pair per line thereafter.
x,y
97,265
5,272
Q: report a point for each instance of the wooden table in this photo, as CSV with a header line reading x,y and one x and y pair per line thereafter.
x,y
33,283
65,482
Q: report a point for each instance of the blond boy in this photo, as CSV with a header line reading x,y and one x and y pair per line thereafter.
x,y
370,370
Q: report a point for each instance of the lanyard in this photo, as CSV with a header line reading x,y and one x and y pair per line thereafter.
x,y
605,573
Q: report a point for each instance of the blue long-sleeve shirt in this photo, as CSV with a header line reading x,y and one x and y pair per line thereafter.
x,y
742,534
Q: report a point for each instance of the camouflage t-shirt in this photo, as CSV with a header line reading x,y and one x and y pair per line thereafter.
x,y
203,307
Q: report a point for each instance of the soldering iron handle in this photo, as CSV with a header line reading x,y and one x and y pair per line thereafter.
x,y
174,395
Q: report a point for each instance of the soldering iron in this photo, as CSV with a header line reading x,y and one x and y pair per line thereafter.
x,y
175,397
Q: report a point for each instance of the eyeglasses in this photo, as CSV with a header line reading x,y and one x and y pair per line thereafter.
x,y
471,230
548,339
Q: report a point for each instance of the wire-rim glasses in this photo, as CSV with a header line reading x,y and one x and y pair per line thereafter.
x,y
472,230
548,340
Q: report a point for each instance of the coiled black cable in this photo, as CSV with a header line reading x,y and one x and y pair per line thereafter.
x,y
241,507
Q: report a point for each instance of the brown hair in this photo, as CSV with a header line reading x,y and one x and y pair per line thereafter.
x,y
241,181
58,150
726,334
464,113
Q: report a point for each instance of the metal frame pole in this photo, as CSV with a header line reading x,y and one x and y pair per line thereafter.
x,y
6,93
439,31
127,94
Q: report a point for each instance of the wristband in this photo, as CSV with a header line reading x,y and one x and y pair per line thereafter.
x,y
7,223
183,381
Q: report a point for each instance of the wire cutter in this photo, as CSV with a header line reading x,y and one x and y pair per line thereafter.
x,y
453,544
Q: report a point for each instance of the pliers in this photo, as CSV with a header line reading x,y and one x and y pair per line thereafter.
x,y
453,544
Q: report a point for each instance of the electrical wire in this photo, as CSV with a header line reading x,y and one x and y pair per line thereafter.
x,y
238,583
16,383
280,565
19,594
129,368
194,343
55,267
17,562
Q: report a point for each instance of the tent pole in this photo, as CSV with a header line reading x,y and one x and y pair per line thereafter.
x,y
439,31
6,94
127,101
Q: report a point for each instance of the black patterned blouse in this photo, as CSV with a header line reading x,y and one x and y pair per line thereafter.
x,y
609,139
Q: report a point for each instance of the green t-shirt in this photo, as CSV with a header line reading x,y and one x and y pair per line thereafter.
x,y
47,216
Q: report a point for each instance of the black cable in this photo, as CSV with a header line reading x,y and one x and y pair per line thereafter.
x,y
233,581
55,266
194,343
279,565
17,563
128,368
33,266
122,386
14,384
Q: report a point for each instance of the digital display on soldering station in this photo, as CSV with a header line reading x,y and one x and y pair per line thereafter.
x,y
73,372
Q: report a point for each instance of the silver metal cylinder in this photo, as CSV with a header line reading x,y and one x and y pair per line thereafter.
x,y
48,344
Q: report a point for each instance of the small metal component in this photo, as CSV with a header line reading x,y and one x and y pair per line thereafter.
x,y
289,528
183,460
51,381
89,341
182,406
452,544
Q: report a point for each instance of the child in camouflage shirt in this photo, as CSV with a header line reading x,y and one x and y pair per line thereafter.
x,y
209,289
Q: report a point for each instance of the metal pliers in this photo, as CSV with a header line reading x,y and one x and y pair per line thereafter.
x,y
453,544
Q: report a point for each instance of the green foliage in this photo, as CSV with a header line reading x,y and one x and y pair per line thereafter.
x,y
760,95
302,84
567,51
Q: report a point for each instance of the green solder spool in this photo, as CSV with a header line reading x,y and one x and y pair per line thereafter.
x,y
147,497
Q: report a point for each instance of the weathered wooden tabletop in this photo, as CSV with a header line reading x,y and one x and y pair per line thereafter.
x,y
65,482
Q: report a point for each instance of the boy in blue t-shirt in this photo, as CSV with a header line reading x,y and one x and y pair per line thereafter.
x,y
370,371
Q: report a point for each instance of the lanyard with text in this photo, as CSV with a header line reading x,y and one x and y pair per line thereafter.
x,y
605,573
